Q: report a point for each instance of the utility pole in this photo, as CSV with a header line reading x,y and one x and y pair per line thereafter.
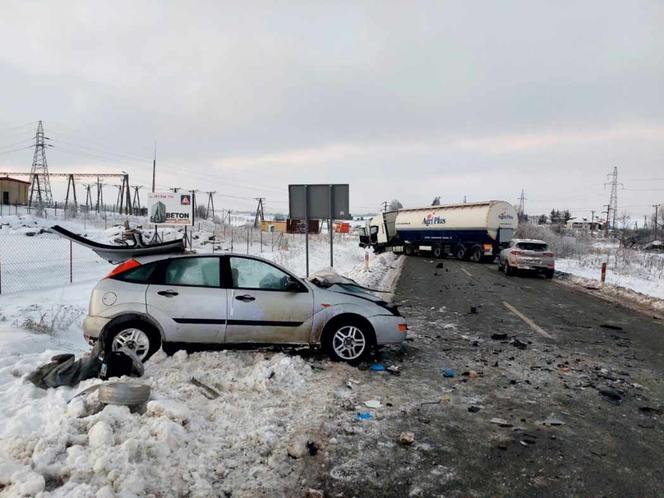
x,y
136,202
154,164
606,225
592,221
656,206
259,211
613,199
384,203
39,177
210,202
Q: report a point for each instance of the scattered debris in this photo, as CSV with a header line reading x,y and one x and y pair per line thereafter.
x,y
612,396
313,493
649,410
365,416
394,370
312,447
471,374
439,265
473,309
518,344
553,421
407,438
474,409
449,372
208,392
499,337
500,421
372,403
611,326
377,367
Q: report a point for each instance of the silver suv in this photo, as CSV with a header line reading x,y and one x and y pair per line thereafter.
x,y
171,301
527,254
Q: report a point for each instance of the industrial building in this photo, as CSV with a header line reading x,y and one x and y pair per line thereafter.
x,y
13,191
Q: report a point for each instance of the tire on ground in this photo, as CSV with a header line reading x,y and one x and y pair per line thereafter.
x,y
145,327
337,324
476,254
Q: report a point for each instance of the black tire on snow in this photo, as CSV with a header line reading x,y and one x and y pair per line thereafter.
x,y
153,336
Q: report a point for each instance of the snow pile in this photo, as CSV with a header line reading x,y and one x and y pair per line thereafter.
x,y
184,443
638,271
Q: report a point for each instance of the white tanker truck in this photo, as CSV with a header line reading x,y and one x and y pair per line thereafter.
x,y
475,231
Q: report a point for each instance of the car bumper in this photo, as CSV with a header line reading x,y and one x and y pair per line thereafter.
x,y
389,329
536,268
92,327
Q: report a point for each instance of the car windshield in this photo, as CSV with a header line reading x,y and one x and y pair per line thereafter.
x,y
532,246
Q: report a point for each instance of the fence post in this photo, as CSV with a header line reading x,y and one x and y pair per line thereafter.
x,y
71,264
603,274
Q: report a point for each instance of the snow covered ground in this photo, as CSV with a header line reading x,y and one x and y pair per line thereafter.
x,y
184,443
638,271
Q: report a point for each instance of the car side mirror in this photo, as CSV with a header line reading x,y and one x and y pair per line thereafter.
x,y
292,285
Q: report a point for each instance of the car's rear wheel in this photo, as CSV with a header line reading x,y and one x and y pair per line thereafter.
x,y
138,337
508,269
548,274
348,341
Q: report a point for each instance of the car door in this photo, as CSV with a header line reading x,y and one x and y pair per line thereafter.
x,y
263,307
188,299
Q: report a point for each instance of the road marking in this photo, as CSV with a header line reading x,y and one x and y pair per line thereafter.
x,y
466,272
532,324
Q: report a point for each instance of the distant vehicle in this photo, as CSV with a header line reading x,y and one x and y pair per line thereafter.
x,y
171,301
529,255
475,231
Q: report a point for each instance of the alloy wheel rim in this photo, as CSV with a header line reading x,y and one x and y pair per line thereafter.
x,y
135,340
349,342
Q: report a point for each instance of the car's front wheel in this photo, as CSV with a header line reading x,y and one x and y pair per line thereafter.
x,y
348,341
138,337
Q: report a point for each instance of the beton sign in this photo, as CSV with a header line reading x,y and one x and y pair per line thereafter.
x,y
171,208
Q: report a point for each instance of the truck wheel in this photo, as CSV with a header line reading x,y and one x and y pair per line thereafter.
x,y
408,250
476,254
548,274
437,252
461,252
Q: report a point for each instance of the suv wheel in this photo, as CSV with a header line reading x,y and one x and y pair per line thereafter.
x,y
348,341
139,337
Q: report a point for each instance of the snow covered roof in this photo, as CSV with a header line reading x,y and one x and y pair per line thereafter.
x,y
10,179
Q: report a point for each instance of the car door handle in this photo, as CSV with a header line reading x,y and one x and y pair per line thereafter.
x,y
246,298
167,293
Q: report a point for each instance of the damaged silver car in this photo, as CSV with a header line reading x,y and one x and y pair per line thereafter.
x,y
169,302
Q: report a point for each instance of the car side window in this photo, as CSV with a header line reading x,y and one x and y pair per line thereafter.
x,y
253,274
139,275
199,272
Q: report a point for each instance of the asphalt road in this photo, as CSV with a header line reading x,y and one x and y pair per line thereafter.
x,y
577,381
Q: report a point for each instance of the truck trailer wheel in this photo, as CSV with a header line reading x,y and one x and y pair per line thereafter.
x,y
437,251
476,254
408,250
461,251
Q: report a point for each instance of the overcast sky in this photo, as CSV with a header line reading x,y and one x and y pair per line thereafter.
x,y
401,99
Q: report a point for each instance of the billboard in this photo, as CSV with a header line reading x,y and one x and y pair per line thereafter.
x,y
171,208
319,202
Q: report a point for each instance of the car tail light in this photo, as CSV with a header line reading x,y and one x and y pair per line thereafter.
x,y
403,327
516,253
123,267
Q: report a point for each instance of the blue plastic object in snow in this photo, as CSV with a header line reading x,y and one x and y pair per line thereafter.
x,y
448,372
377,367
364,416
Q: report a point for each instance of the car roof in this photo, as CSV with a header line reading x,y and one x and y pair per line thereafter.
x,y
530,241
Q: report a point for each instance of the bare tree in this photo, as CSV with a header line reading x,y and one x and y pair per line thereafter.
x,y
394,205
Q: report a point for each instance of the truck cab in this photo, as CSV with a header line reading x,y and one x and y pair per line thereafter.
x,y
379,231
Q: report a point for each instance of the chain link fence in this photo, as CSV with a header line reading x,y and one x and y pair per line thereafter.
x,y
31,258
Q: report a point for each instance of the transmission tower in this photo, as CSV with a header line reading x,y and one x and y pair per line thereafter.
x,y
259,211
612,209
136,202
210,203
522,205
39,179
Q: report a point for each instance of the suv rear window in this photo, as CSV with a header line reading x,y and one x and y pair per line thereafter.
x,y
532,246
139,275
